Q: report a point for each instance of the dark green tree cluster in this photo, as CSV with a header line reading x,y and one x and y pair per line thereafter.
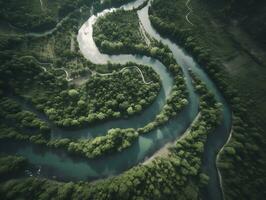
x,y
177,176
9,41
158,50
103,97
20,124
24,76
117,31
23,15
250,14
119,94
10,166
243,156
30,16
242,162
20,74
115,140
175,103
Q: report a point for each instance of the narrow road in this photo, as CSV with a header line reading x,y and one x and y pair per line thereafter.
x,y
218,158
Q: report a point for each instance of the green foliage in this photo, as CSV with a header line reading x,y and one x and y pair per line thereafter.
x,y
30,15
73,93
117,31
17,123
249,173
177,175
115,140
11,165
101,98
26,15
250,15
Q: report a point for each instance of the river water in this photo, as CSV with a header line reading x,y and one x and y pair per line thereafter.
x,y
59,165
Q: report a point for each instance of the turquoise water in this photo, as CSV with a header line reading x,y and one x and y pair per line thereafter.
x,y
62,166
215,140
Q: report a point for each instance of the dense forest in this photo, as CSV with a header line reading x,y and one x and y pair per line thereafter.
x,y
250,15
74,129
248,139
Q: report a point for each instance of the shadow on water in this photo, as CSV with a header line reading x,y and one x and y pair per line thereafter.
x,y
136,121
216,139
66,167
62,166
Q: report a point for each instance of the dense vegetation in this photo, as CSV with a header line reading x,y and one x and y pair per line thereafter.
x,y
178,175
118,32
133,41
10,166
20,124
118,95
33,72
43,15
23,125
250,15
247,142
36,15
101,98
116,140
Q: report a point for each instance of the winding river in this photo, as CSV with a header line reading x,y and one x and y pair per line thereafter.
x,y
61,166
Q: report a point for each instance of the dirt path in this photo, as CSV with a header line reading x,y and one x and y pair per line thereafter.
x,y
190,11
123,69
68,79
44,69
218,158
41,5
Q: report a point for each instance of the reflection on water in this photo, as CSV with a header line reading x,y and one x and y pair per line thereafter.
x,y
57,164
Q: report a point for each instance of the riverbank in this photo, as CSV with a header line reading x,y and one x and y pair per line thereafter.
x,y
165,150
213,46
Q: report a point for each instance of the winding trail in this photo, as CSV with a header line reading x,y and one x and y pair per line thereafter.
x,y
68,79
44,69
218,158
123,69
62,165
189,12
41,5
93,72
49,63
